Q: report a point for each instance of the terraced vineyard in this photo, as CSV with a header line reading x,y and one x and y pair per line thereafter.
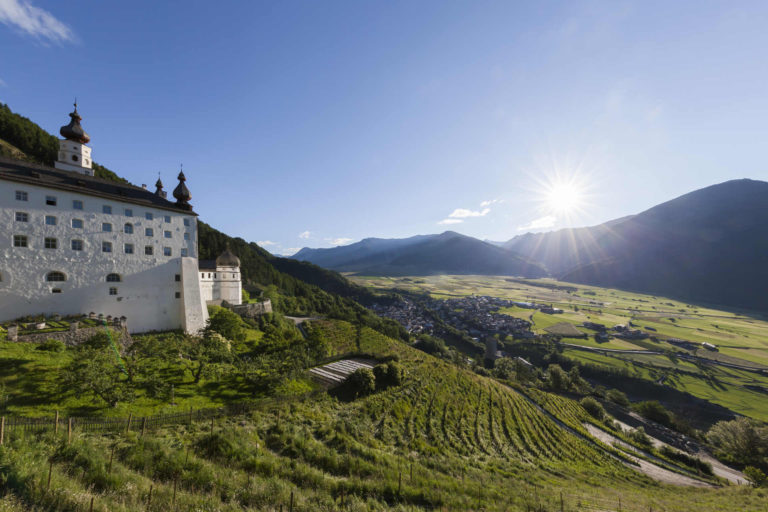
x,y
446,439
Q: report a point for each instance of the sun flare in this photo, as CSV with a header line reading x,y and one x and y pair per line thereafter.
x,y
564,197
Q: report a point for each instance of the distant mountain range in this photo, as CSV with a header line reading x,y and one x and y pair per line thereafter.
x,y
710,245
445,253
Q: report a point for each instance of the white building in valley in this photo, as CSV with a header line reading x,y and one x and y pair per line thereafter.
x,y
72,243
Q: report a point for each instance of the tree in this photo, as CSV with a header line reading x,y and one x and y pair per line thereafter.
x,y
226,323
206,355
654,411
96,369
742,440
593,407
387,375
756,477
504,368
361,382
617,397
557,378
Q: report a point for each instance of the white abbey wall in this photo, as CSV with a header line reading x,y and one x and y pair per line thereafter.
x,y
221,284
150,294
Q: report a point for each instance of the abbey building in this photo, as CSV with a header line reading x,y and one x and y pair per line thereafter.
x,y
72,244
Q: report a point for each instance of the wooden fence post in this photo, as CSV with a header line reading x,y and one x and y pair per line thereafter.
x,y
212,419
562,505
143,426
175,481
91,509
128,427
111,456
50,471
69,431
2,430
290,509
56,424
149,499
399,482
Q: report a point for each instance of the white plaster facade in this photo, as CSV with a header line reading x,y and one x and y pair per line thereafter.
x,y
222,283
86,238
74,156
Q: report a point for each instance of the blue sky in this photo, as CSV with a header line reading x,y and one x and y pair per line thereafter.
x,y
319,123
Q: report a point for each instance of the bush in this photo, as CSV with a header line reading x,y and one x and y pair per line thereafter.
x,y
654,411
361,382
741,440
557,378
593,407
693,462
228,324
617,397
52,346
640,437
756,477
388,374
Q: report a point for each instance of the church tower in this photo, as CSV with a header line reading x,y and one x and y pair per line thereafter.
x,y
74,155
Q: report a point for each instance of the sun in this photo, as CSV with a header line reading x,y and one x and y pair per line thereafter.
x,y
564,197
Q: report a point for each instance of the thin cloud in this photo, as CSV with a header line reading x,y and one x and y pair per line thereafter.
x,y
490,202
463,213
34,21
305,235
339,241
451,221
541,223
266,242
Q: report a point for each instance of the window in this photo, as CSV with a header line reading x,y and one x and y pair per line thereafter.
x,y
149,231
22,217
113,291
178,295
186,222
128,228
56,290
74,158
50,200
148,250
113,278
106,227
106,209
77,204
168,219
166,251
22,196
214,276
77,245
19,241
184,253
77,223
128,212
50,220
177,277
55,277
128,248
149,216
106,246
51,243
167,234
186,236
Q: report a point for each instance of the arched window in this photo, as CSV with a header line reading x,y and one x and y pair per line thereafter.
x,y
113,278
55,276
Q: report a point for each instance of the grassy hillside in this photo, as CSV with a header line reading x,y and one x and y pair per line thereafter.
x,y
444,439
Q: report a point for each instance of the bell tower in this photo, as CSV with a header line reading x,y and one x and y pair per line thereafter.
x,y
74,155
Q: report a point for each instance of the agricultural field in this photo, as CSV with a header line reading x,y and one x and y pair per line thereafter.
x,y
445,438
741,337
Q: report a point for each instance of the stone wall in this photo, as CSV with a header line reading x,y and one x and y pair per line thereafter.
x,y
252,310
74,336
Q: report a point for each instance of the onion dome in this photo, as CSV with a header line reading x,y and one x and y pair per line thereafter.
x,y
159,188
227,259
73,131
181,192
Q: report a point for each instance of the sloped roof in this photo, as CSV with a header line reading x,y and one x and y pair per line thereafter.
x,y
43,176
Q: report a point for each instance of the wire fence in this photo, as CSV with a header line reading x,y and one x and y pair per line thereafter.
x,y
97,425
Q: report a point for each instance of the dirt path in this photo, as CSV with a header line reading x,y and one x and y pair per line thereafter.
x,y
718,468
652,470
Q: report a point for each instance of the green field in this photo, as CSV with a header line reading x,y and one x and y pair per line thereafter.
x,y
444,439
741,336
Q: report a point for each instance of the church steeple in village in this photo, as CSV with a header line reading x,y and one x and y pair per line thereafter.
x,y
74,155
